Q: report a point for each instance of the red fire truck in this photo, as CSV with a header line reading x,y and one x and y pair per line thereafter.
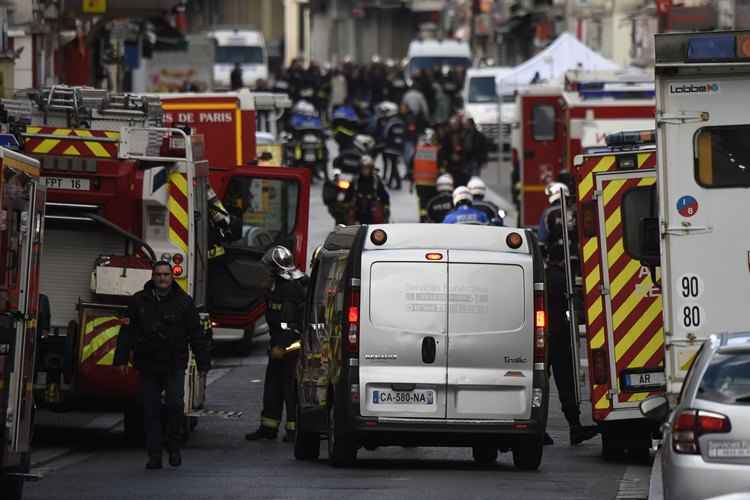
x,y
121,194
272,203
21,229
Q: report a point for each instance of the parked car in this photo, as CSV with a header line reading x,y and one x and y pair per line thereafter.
x,y
425,335
705,450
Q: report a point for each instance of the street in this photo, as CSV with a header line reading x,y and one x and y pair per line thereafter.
x,y
85,456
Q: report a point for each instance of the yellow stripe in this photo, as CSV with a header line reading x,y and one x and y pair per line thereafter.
x,y
642,157
196,107
614,253
611,190
647,181
177,240
182,282
107,359
598,340
686,366
238,134
179,181
99,341
594,311
62,131
177,210
112,134
613,221
33,130
587,183
656,343
71,151
97,149
629,339
590,248
622,279
603,403
29,168
592,279
638,396
96,322
46,146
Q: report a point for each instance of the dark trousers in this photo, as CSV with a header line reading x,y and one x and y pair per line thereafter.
x,y
425,194
279,389
173,384
561,363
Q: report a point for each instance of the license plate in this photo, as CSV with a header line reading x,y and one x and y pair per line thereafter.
x,y
729,449
417,397
71,183
646,380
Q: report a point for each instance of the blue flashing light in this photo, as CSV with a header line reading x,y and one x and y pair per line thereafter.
x,y
707,48
9,141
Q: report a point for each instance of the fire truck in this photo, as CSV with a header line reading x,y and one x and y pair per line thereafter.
x,y
692,226
558,122
21,228
621,302
122,192
271,203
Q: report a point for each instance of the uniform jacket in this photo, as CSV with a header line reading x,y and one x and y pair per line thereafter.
x,y
160,330
466,214
285,303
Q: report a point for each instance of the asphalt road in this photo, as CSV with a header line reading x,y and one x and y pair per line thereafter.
x,y
85,456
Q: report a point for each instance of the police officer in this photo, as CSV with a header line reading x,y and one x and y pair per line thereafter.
x,y
478,190
284,314
439,206
560,355
162,321
465,213
370,201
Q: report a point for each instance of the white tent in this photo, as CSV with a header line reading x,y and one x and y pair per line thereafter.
x,y
564,54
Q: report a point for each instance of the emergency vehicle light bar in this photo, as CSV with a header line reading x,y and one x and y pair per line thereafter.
x,y
691,48
631,138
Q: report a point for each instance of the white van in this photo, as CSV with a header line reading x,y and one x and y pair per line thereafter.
x,y
247,47
425,335
481,101
431,54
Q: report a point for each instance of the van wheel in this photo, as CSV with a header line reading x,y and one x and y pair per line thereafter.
x,y
612,449
12,488
306,444
527,453
484,455
342,451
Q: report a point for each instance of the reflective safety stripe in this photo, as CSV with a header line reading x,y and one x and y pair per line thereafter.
x,y
271,423
100,337
291,426
216,251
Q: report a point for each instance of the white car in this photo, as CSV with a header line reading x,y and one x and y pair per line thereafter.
x,y
481,101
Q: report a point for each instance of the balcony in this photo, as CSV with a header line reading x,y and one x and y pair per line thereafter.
x,y
121,8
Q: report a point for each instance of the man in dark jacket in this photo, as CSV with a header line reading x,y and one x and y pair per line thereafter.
x,y
370,201
235,77
162,322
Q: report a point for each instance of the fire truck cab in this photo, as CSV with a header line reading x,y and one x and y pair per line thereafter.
x,y
21,229
122,193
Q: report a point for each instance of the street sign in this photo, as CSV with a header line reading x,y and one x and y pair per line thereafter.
x,y
94,6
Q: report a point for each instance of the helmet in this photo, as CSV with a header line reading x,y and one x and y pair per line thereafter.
x,y
364,143
444,183
375,59
386,109
304,108
461,193
279,259
477,187
390,63
335,172
219,214
554,190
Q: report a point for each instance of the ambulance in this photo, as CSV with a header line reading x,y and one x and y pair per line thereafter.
x,y
698,235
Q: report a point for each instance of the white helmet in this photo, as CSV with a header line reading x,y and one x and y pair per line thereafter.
x,y
477,187
554,189
386,109
304,108
444,183
364,143
461,193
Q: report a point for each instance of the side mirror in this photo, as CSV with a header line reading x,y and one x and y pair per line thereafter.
x,y
655,408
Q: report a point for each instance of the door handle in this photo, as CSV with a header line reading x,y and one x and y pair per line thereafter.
x,y
429,350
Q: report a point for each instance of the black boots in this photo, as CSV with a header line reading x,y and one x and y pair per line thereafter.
x,y
580,433
261,433
154,461
175,458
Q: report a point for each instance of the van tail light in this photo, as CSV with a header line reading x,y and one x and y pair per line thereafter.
x,y
689,425
599,368
352,319
540,325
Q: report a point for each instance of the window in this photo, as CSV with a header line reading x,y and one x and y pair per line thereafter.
x,y
432,62
727,379
722,156
543,122
266,207
637,204
482,89
239,54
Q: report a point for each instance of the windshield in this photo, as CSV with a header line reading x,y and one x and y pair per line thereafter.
x,y
239,54
727,379
266,207
422,63
482,89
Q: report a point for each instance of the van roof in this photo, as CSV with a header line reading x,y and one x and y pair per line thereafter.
x,y
439,48
487,71
238,37
446,236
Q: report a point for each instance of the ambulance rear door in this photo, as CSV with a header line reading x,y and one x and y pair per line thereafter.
x,y
704,176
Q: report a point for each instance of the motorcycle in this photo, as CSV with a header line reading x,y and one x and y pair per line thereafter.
x,y
306,141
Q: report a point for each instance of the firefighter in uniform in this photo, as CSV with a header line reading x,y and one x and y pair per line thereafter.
x,y
284,315
442,203
465,213
478,190
424,170
368,198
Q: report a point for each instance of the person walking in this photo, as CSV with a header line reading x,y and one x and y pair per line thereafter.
x,y
284,314
162,322
235,77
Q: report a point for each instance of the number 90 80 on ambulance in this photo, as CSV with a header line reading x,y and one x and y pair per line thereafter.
x,y
428,335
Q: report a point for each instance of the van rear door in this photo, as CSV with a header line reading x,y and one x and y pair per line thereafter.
x,y
403,341
490,335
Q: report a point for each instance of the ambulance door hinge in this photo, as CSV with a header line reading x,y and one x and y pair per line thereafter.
x,y
682,117
603,290
597,194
